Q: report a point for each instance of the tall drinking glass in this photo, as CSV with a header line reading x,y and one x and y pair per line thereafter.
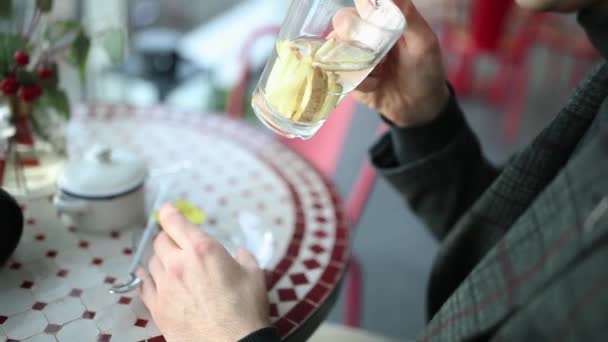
x,y
324,50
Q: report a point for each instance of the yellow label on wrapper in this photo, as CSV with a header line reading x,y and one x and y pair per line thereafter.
x,y
192,213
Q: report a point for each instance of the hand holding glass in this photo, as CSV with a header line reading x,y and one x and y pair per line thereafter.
x,y
324,50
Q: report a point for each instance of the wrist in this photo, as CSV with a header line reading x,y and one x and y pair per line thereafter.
x,y
247,328
416,142
428,110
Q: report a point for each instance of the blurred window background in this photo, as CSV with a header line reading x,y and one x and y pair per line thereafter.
x,y
182,53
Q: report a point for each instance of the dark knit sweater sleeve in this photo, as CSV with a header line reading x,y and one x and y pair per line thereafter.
x,y
268,334
437,167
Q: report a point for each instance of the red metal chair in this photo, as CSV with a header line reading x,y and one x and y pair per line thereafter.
x,y
564,40
477,28
472,29
330,140
561,40
480,28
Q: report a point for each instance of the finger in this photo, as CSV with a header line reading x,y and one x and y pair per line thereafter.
x,y
246,259
369,84
147,289
372,81
364,7
156,270
343,23
208,251
332,35
177,227
418,30
418,34
164,246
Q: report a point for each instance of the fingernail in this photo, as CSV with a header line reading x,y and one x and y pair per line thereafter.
x,y
168,207
166,210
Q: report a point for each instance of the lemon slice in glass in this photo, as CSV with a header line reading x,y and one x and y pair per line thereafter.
x,y
336,55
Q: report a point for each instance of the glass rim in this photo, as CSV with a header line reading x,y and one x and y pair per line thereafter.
x,y
399,30
392,6
402,27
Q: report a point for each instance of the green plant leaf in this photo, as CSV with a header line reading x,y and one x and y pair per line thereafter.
x,y
59,100
41,119
113,41
6,8
62,32
9,43
44,6
79,51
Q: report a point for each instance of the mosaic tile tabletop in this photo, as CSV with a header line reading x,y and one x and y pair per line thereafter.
x,y
55,286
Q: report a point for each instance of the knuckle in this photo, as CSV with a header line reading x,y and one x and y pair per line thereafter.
x,y
202,246
175,267
431,44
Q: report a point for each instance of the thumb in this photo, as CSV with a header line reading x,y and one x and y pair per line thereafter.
x,y
246,259
418,32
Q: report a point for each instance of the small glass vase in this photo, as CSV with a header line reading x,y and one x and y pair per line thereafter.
x,y
31,165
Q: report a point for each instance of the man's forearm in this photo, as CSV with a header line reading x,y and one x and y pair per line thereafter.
x,y
437,167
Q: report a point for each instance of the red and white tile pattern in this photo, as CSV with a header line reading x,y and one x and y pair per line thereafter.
x,y
55,286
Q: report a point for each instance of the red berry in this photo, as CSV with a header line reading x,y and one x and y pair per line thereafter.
x,y
9,85
45,72
30,93
22,58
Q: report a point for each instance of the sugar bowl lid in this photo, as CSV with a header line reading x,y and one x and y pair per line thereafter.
x,y
103,172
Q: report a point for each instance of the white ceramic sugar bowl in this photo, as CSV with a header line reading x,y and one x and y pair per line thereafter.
x,y
104,191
